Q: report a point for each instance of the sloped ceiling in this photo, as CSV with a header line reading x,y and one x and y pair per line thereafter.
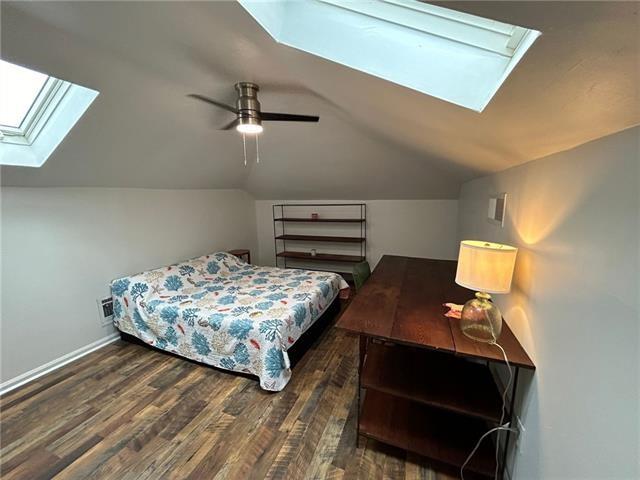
x,y
579,82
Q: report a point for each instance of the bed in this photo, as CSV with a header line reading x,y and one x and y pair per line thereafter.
x,y
217,309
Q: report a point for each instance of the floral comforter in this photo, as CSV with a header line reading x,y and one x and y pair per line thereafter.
x,y
219,310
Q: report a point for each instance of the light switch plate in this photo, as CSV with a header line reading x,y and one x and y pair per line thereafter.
x,y
497,209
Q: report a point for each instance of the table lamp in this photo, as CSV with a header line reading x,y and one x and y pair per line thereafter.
x,y
487,268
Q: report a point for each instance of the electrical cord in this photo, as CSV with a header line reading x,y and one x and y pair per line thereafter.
x,y
501,426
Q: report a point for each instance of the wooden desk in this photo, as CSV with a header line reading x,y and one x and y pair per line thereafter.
x,y
427,387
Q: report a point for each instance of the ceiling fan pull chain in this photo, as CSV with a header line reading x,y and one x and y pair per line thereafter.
x,y
244,149
257,150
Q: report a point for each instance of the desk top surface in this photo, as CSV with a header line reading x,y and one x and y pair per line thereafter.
x,y
403,301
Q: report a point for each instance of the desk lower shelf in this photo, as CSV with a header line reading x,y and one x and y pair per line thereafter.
x,y
445,437
436,379
431,403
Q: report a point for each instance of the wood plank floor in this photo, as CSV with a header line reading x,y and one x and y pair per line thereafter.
x,y
127,412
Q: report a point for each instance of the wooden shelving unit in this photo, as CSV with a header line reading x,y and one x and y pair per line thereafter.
x,y
352,217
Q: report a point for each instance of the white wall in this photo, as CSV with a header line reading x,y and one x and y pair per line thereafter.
x,y
575,217
421,228
62,246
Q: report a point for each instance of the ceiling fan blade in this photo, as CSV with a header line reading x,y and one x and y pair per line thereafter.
x,y
230,125
287,117
213,102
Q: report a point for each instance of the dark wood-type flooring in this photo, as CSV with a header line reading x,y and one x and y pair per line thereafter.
x,y
127,412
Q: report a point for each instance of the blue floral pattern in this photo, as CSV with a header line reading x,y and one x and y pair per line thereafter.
x,y
219,310
173,283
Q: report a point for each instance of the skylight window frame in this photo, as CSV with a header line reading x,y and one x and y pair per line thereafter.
x,y
447,54
41,109
478,32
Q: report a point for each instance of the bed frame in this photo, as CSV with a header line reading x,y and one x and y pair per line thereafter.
x,y
296,351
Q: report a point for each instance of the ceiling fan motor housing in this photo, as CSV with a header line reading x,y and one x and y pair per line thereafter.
x,y
247,103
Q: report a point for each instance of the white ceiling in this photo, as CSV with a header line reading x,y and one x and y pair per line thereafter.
x,y
580,81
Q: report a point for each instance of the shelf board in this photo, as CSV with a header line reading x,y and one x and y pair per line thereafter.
x,y
320,238
433,378
321,257
348,276
319,220
441,436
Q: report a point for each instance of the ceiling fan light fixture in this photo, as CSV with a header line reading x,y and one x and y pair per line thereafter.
x,y
249,128
249,123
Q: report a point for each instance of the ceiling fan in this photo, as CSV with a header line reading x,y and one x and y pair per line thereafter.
x,y
249,117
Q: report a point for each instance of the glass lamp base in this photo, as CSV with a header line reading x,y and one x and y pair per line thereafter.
x,y
480,319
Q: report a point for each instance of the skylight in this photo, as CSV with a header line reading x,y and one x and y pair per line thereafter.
x,y
36,113
454,56
19,87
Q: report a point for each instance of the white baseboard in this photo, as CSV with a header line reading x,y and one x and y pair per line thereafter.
x,y
37,372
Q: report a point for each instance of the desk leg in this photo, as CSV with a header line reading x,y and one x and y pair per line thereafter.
x,y
511,418
363,352
363,342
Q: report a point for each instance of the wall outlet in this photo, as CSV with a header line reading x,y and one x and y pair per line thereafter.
x,y
105,311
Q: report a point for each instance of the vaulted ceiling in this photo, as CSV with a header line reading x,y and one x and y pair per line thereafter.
x,y
580,81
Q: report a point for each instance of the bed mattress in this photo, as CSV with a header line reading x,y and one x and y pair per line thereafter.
x,y
221,311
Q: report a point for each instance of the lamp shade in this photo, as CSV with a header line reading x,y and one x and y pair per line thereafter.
x,y
485,266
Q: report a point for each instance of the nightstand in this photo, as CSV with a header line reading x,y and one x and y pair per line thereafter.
x,y
242,252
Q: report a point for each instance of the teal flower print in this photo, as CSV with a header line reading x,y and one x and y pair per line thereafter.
x,y
227,300
276,296
228,363
138,289
269,329
240,328
178,298
139,322
190,315
325,289
213,267
173,283
119,287
171,336
241,310
274,362
241,354
199,342
117,308
151,306
186,270
169,314
299,314
215,321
